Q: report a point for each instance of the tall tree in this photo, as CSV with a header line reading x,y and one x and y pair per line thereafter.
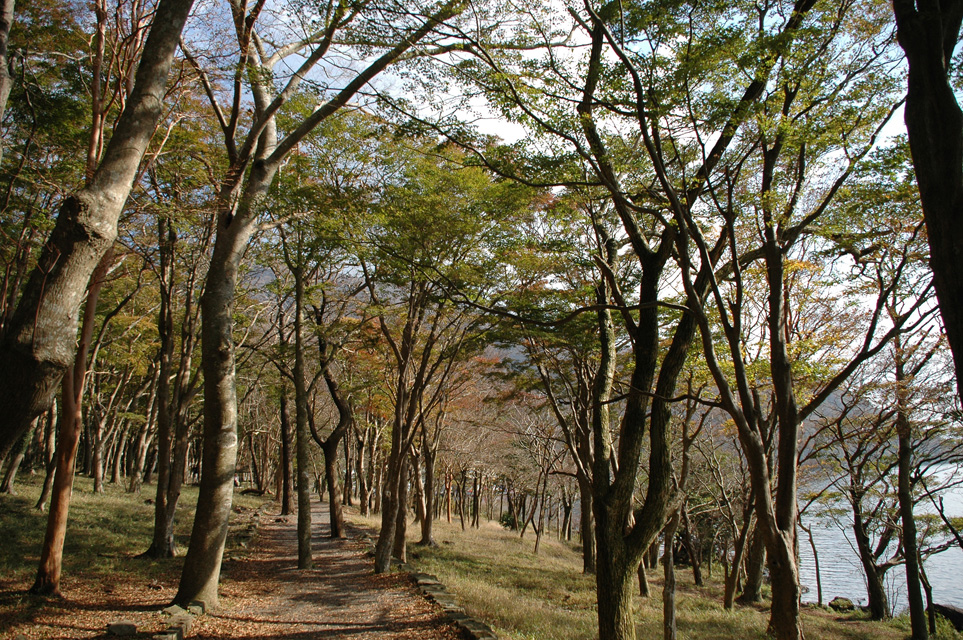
x,y
433,231
71,423
928,32
253,163
182,245
38,344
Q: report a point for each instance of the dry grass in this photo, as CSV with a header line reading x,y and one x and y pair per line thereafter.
x,y
499,579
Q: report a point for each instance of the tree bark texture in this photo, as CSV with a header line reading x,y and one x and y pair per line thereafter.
x,y
39,343
928,34
51,554
302,433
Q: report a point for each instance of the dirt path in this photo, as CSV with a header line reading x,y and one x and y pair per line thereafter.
x,y
264,596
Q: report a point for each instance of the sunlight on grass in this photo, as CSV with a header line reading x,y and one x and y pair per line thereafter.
x,y
104,531
498,579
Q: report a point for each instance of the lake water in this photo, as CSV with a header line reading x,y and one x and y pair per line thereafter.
x,y
842,573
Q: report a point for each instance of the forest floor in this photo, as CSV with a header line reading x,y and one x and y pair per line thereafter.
x,y
262,594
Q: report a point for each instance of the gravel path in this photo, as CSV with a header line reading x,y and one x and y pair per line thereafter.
x,y
264,596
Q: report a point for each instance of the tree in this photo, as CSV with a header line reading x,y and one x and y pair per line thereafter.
x,y
253,164
928,34
434,231
47,581
686,125
183,243
38,344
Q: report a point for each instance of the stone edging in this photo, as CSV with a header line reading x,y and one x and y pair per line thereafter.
x,y
435,591
179,623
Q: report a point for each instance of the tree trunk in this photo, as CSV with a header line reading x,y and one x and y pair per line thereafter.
x,y
400,546
875,588
463,497
13,466
476,503
755,570
539,508
255,467
51,554
39,344
448,492
303,453
613,582
287,460
136,471
202,565
427,536
644,589
6,77
668,588
934,126
97,462
118,459
391,483
928,591
330,450
904,492
784,574
694,550
47,485
47,581
732,579
348,474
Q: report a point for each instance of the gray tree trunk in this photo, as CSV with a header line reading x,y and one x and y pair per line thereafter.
x,y
6,77
202,565
40,341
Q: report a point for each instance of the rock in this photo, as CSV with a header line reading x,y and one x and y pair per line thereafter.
x,y
182,622
173,610
841,604
953,614
122,628
477,630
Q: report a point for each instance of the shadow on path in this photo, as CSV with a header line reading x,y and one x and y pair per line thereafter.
x,y
266,596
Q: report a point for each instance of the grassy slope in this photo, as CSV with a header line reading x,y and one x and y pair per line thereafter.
x,y
498,579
